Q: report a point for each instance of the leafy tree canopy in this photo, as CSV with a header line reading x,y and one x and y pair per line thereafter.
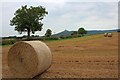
x,y
82,31
28,19
48,33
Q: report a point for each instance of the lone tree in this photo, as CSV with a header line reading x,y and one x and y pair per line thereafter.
x,y
48,33
82,31
28,19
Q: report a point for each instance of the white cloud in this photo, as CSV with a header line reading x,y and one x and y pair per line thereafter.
x,y
95,22
59,1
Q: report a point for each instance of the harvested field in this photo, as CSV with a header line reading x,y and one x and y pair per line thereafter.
x,y
93,56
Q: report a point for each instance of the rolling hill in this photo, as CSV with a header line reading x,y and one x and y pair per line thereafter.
x,y
89,32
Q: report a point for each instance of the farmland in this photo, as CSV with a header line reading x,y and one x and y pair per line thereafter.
x,y
93,56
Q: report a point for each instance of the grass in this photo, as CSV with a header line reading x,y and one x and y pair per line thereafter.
x,y
85,38
6,45
48,40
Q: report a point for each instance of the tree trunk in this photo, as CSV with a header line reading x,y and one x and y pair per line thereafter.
x,y
28,33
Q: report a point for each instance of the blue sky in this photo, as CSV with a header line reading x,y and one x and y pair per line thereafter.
x,y
64,14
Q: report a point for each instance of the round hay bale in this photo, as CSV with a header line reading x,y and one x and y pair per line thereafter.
x,y
26,59
109,34
105,34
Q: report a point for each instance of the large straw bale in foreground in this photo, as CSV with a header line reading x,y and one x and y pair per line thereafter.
x,y
27,59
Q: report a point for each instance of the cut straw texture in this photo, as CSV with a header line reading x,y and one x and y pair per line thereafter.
x,y
26,59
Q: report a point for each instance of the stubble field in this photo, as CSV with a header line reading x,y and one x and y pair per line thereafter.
x,y
93,56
